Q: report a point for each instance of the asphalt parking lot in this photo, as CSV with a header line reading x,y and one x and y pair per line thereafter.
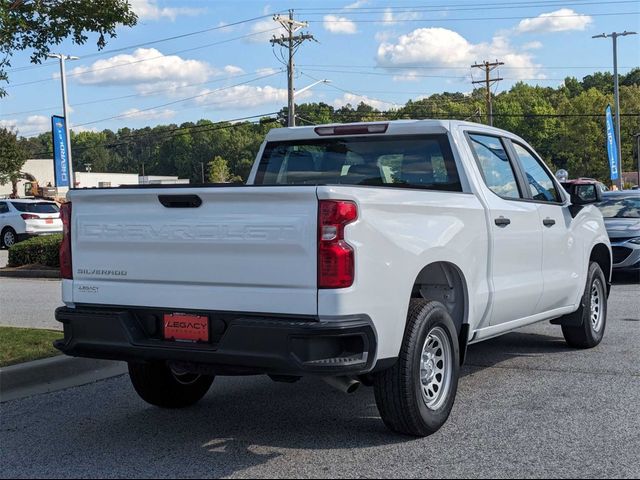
x,y
29,303
527,407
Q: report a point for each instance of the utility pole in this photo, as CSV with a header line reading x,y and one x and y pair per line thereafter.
x,y
65,110
637,135
488,67
291,42
614,36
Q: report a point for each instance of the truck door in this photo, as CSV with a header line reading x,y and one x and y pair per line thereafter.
x,y
516,254
561,256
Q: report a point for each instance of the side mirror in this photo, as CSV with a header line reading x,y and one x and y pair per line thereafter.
x,y
583,194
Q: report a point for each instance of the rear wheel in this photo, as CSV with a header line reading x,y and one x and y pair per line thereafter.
x,y
592,311
160,385
416,395
8,237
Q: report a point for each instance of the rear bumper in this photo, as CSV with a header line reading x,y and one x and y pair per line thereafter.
x,y
241,343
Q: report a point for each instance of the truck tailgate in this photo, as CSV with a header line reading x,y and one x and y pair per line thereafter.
x,y
249,249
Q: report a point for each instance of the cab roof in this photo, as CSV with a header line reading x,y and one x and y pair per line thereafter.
x,y
395,127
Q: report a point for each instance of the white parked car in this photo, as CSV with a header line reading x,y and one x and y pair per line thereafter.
x,y
20,219
366,253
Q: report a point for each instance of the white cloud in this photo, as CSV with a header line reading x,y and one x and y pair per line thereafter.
x,y
263,31
562,20
144,66
535,45
81,129
233,70
390,18
153,114
356,4
442,47
382,37
31,126
407,76
246,96
149,10
340,25
354,100
267,71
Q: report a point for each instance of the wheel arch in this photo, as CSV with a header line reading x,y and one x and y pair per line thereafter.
x,y
445,282
601,254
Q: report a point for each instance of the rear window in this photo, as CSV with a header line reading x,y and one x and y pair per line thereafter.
x,y
36,207
416,161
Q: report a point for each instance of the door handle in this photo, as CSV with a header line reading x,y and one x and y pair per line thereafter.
x,y
180,201
548,222
502,222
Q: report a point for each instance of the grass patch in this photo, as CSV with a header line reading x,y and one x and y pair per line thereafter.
x,y
19,345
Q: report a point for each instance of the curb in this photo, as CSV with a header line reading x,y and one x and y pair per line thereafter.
x,y
17,273
53,374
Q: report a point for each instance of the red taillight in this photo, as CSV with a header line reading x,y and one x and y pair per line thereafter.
x,y
29,216
66,270
335,255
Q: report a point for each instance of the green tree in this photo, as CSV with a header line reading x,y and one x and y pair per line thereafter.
x,y
219,171
38,25
581,147
12,158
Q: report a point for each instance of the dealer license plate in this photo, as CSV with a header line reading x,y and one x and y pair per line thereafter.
x,y
184,327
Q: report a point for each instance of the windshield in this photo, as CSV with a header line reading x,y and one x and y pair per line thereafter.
x,y
625,207
416,161
36,207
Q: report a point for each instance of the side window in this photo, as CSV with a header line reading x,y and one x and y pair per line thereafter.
x,y
4,208
495,166
540,183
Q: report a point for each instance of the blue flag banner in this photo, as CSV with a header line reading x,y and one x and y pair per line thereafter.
x,y
60,151
612,148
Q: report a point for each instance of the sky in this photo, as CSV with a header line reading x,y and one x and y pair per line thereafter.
x,y
223,67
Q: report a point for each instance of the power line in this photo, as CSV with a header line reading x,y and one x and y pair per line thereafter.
x,y
133,95
222,124
461,7
124,115
454,5
152,42
475,19
126,64
446,67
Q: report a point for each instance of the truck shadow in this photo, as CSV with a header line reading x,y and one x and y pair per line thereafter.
x,y
517,344
248,422
626,278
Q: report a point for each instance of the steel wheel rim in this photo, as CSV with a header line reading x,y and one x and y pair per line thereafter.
x,y
9,239
436,364
597,305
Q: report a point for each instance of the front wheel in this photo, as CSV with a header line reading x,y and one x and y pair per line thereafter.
x,y
160,385
416,395
592,311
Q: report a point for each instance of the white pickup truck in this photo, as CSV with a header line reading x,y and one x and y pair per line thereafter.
x,y
364,253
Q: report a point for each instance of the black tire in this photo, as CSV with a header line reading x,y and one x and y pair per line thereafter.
x,y
158,385
399,390
590,333
8,231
